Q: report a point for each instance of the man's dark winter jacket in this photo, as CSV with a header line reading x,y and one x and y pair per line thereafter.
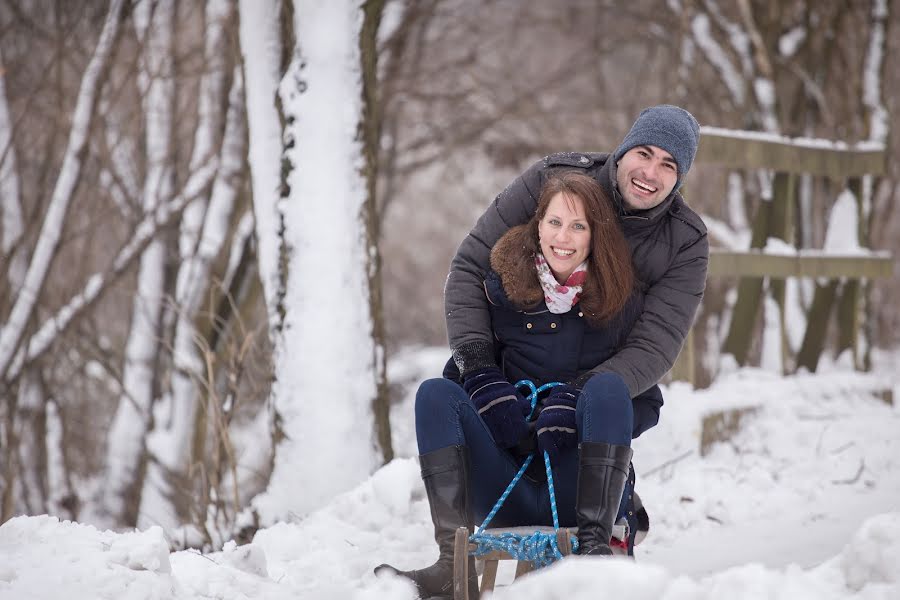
x,y
670,251
541,347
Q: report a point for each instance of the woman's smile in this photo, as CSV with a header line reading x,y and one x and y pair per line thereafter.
x,y
565,235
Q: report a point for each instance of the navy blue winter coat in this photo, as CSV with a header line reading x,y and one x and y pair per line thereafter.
x,y
542,347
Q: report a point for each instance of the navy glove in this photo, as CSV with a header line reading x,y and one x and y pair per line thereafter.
x,y
499,405
556,428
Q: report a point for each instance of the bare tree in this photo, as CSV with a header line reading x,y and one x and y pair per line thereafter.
x,y
13,335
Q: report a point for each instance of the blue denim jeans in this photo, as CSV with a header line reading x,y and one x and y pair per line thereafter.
x,y
446,416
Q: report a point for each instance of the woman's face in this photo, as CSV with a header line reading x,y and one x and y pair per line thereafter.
x,y
565,235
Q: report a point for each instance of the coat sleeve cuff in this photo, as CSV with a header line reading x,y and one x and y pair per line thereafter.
x,y
473,356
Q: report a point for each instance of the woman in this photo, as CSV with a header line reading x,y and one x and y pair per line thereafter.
x,y
562,297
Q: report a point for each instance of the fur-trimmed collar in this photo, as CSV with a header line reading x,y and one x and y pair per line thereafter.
x,y
512,258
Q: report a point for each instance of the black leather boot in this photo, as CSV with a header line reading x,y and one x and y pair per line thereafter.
x,y
602,472
446,476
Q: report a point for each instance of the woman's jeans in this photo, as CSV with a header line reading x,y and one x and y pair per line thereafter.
x,y
446,416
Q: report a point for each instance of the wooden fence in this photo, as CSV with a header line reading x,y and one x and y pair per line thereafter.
x,y
842,281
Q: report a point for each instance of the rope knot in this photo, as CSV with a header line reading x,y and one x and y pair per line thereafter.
x,y
541,549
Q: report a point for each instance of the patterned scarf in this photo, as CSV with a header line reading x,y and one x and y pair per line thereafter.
x,y
560,298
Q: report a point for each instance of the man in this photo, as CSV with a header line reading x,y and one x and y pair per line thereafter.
x,y
670,249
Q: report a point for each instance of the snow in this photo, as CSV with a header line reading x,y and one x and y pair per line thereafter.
x,y
790,41
802,503
842,234
799,142
717,56
261,49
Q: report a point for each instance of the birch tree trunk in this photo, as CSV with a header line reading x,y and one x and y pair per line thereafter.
x,y
168,479
11,219
324,368
30,435
13,260
262,48
126,446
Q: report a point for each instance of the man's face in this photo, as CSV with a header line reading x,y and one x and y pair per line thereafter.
x,y
646,176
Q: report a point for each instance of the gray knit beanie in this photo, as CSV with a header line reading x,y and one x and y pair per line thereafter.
x,y
671,128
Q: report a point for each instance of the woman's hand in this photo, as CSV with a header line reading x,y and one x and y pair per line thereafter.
x,y
556,427
500,406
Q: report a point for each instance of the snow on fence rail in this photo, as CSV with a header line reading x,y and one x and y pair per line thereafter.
x,y
755,150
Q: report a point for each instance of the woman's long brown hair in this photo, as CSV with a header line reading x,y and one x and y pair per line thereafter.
x,y
610,273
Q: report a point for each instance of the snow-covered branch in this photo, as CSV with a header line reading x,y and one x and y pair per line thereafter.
x,y
98,283
66,182
729,74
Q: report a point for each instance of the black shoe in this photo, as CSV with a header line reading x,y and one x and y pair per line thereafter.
x,y
602,472
446,476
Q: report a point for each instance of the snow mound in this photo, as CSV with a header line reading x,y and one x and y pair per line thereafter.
x,y
43,557
869,567
873,556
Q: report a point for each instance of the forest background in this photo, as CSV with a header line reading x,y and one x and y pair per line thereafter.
x,y
222,220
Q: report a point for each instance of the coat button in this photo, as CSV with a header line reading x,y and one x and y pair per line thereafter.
x,y
552,325
529,325
580,314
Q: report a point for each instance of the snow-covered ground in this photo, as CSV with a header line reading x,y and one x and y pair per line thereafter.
x,y
803,503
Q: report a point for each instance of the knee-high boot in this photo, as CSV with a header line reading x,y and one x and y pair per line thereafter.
x,y
446,476
602,472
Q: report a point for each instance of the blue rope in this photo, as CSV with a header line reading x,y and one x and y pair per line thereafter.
x,y
541,549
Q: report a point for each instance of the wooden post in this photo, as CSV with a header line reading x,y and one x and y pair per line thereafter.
x,y
746,307
850,293
461,564
817,326
848,307
781,226
684,368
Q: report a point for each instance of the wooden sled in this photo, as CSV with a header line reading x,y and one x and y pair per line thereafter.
x,y
463,548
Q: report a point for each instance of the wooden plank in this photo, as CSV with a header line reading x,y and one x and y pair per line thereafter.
x,y
749,297
461,564
848,319
750,150
781,226
492,555
817,326
564,541
753,263
489,577
523,567
683,369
